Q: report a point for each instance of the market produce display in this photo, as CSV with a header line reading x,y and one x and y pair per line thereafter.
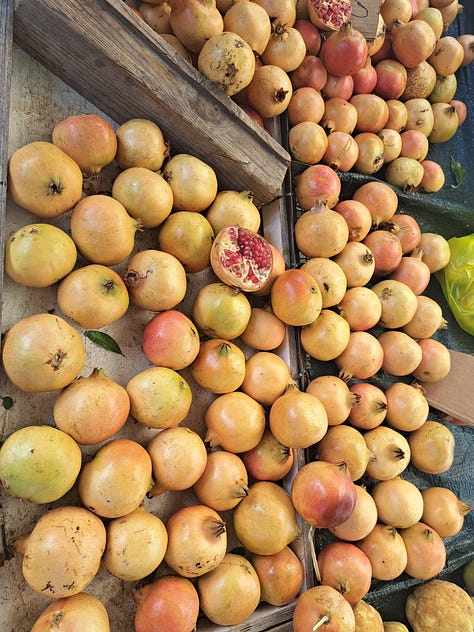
x,y
244,472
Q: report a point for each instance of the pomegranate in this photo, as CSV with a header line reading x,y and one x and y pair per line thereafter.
x,y
321,231
251,22
345,443
221,311
219,366
157,16
443,511
89,139
140,143
229,593
169,602
330,278
306,104
407,407
269,460
265,520
372,112
296,298
335,396
365,79
435,250
323,606
318,183
270,90
435,361
74,612
92,409
362,519
42,353
39,255
426,552
241,258
401,353
281,576
397,115
371,154
195,21
340,115
170,339
286,47
43,179
357,262
340,87
413,272
391,450
467,42
329,16
412,42
361,307
387,250
357,216
326,337
399,502
342,151
310,33
266,377
396,10
223,482
407,230
392,144
197,540
227,60
399,303
445,122
231,208
264,331
308,142
447,56
345,51
385,548
368,617
433,175
428,319
311,73
371,406
432,447
283,11
345,567
362,357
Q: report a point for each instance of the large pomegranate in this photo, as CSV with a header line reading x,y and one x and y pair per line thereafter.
x,y
241,258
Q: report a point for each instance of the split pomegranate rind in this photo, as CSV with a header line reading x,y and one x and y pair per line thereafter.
x,y
329,15
241,258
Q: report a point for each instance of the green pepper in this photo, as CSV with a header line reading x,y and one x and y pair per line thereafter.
x,y
457,281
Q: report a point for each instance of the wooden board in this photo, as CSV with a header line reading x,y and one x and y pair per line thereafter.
x,y
365,16
106,53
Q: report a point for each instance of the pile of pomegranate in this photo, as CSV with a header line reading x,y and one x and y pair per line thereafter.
x,y
216,302
367,105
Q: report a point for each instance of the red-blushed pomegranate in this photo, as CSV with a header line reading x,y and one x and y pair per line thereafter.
x,y
323,607
193,182
281,576
145,194
116,480
43,179
345,51
326,337
401,353
362,357
391,451
357,216
235,422
428,319
357,262
93,296
307,142
195,21
219,366
306,104
433,174
443,511
385,548
412,42
39,464
178,457
407,407
229,593
435,361
251,22
399,502
330,278
42,353
265,519
169,602
414,144
432,447
399,303
227,60
286,47
92,409
89,139
136,545
297,419
241,258
270,90
197,540
311,73
365,79
335,396
156,280
391,79
231,208
221,311
361,307
341,87
224,481
408,231
39,255
295,297
267,377
371,406
171,339
62,553
426,552
362,519
329,16
346,444
269,460
346,568
387,250
310,33
140,143
323,493
102,229
321,231
318,183
75,614
159,397
413,272
264,331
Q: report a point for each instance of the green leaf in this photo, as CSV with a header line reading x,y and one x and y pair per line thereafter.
x,y
103,340
459,173
7,402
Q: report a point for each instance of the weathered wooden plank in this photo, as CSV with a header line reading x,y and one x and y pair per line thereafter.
x,y
106,53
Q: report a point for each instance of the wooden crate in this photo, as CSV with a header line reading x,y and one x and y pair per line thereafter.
x,y
114,59
32,99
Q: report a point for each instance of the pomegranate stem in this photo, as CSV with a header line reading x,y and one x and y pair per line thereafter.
x,y
322,620
311,535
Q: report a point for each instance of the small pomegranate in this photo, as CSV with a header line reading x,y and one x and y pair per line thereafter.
x,y
241,258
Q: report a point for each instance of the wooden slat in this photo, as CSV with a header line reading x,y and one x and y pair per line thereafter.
x,y
107,54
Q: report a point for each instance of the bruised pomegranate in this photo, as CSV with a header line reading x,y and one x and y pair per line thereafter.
x,y
241,258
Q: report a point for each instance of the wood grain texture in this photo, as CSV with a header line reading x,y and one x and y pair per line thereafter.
x,y
106,53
